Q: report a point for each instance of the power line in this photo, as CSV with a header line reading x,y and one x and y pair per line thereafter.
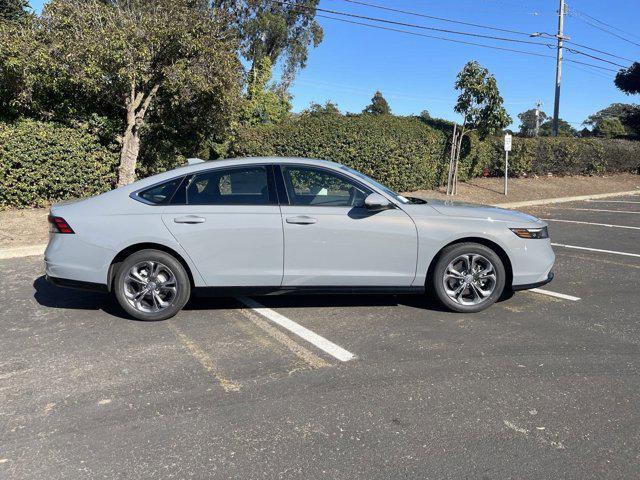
x,y
443,19
408,32
423,27
516,32
579,52
593,72
590,65
581,13
464,42
412,25
599,51
603,29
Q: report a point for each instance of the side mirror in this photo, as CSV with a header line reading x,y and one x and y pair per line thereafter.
x,y
375,202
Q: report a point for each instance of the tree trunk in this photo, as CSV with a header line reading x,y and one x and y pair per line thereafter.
x,y
129,156
137,106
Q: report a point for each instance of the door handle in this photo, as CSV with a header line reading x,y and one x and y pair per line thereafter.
x,y
189,219
302,220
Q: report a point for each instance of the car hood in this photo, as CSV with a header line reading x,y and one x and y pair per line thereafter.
x,y
487,212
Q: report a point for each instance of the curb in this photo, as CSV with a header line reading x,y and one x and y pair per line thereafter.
x,y
19,252
546,201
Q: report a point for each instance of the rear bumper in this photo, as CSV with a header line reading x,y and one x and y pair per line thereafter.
x,y
77,284
70,257
534,285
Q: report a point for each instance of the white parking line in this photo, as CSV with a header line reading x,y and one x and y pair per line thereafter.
x,y
575,247
598,210
555,294
311,337
613,201
590,223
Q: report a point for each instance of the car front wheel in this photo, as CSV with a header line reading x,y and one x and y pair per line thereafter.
x,y
468,277
152,285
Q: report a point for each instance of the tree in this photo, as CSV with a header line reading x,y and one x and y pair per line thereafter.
x,y
425,115
378,105
628,80
480,105
13,10
529,124
172,58
564,129
318,110
628,114
264,104
278,31
479,102
610,127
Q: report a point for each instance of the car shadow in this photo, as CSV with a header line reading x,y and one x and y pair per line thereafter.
x,y
49,295
324,301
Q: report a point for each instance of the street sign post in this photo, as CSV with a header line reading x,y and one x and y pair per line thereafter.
x,y
507,148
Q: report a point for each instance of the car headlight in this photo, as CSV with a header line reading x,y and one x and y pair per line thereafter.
x,y
531,233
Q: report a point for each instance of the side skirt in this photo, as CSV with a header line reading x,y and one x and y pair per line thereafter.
x,y
305,290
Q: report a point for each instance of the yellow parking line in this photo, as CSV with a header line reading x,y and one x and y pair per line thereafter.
x,y
204,359
307,356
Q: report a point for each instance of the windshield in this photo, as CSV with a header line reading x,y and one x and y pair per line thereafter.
x,y
386,190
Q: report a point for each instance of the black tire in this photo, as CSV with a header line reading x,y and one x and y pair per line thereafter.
x,y
169,268
450,254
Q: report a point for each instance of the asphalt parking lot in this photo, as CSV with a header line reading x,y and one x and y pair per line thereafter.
x,y
382,387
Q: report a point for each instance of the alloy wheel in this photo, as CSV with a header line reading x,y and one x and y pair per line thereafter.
x,y
469,279
150,286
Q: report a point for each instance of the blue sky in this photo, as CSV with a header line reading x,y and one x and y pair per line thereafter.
x,y
416,73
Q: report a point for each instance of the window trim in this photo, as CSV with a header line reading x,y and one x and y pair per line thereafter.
x,y
330,170
271,187
277,189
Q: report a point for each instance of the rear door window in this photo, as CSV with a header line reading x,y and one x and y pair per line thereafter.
x,y
233,186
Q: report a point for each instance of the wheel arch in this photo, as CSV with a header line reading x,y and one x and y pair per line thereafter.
x,y
124,253
506,261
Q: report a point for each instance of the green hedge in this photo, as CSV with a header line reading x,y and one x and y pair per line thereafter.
x,y
407,154
44,162
565,156
401,152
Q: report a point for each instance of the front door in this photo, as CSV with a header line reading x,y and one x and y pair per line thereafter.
x,y
331,239
231,227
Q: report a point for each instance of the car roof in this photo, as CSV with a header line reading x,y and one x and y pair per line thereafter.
x,y
259,160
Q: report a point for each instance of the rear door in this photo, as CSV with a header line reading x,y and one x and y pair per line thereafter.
x,y
228,220
331,239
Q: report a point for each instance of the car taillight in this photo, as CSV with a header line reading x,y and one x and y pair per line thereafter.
x,y
59,225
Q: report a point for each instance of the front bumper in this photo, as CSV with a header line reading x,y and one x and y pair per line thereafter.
x,y
534,285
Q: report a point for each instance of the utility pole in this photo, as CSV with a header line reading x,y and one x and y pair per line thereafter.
x,y
538,105
560,37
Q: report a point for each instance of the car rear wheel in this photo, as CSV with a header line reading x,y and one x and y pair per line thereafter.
x,y
468,277
152,285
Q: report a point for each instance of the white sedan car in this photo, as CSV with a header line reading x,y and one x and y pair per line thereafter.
x,y
278,225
